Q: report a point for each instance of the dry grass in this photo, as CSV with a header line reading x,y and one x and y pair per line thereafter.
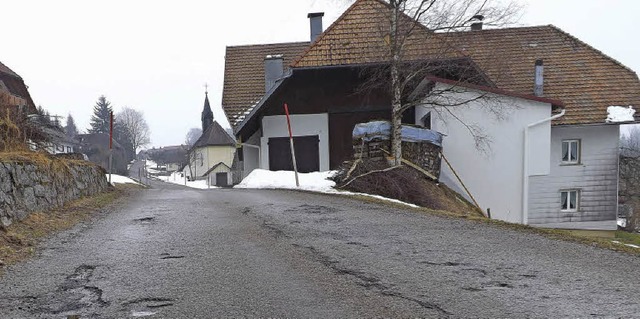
x,y
19,240
405,184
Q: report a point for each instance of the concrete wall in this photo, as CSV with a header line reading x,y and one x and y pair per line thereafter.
x,y
596,177
301,125
251,156
26,187
493,172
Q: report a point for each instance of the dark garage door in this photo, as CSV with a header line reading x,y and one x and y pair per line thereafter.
x,y
307,153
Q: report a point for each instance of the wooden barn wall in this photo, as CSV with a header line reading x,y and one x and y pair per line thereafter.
x,y
339,93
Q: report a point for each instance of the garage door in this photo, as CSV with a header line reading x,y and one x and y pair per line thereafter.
x,y
307,153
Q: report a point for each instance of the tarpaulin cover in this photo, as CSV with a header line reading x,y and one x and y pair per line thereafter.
x,y
381,130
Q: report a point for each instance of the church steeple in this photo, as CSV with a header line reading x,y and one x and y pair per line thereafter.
x,y
207,115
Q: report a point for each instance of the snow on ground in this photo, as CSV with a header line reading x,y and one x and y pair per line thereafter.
x,y
176,178
150,163
315,182
119,179
616,114
628,245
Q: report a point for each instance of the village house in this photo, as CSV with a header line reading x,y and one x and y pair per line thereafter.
x,y
211,156
14,93
15,99
550,156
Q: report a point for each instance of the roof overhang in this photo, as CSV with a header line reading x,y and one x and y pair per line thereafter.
x,y
553,102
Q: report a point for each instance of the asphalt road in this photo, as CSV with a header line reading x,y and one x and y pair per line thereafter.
x,y
173,252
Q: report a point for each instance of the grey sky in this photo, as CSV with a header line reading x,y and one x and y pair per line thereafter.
x,y
156,56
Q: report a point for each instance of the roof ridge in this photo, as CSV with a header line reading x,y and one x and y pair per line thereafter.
x,y
567,34
324,33
381,2
265,44
5,69
506,28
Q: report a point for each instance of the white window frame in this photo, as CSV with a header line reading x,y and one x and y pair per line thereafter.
x,y
567,208
569,143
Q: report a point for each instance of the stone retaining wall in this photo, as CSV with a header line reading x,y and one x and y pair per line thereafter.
x,y
28,187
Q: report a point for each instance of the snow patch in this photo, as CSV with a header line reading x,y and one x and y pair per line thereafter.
x,y
617,114
178,178
119,179
315,182
628,245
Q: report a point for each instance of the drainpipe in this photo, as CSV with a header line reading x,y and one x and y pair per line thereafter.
x,y
525,164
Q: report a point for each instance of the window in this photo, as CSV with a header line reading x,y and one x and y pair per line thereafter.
x,y
69,149
569,200
571,151
426,121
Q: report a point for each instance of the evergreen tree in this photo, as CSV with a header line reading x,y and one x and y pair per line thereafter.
x,y
71,130
101,116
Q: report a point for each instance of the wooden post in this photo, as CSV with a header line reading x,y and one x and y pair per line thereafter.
x,y
293,153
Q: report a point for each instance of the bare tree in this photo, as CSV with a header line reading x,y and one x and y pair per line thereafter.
x,y
192,136
416,50
190,139
629,190
135,127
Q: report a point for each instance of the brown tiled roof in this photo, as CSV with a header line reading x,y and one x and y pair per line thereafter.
x,y
244,75
215,135
585,79
360,36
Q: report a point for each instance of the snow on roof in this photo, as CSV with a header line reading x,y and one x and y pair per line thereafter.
x,y
616,114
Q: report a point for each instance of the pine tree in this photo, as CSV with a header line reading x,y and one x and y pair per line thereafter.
x,y
71,130
101,116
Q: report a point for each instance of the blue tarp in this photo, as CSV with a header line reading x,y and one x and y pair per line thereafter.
x,y
381,130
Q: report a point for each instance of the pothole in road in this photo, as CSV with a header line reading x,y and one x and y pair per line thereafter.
x,y
171,257
142,306
446,263
490,286
143,220
313,209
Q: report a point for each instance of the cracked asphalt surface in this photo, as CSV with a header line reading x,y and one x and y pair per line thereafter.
x,y
173,252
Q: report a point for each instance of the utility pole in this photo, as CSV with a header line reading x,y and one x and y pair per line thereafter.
x,y
110,145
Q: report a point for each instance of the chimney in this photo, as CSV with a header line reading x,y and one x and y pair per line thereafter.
x,y
315,21
476,22
539,78
273,70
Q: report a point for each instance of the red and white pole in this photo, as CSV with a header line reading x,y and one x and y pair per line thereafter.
x,y
293,153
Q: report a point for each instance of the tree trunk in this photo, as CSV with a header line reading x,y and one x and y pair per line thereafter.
x,y
396,103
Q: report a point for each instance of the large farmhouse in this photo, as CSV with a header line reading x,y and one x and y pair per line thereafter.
x,y
550,154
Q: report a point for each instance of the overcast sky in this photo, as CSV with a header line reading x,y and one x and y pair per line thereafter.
x,y
155,56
